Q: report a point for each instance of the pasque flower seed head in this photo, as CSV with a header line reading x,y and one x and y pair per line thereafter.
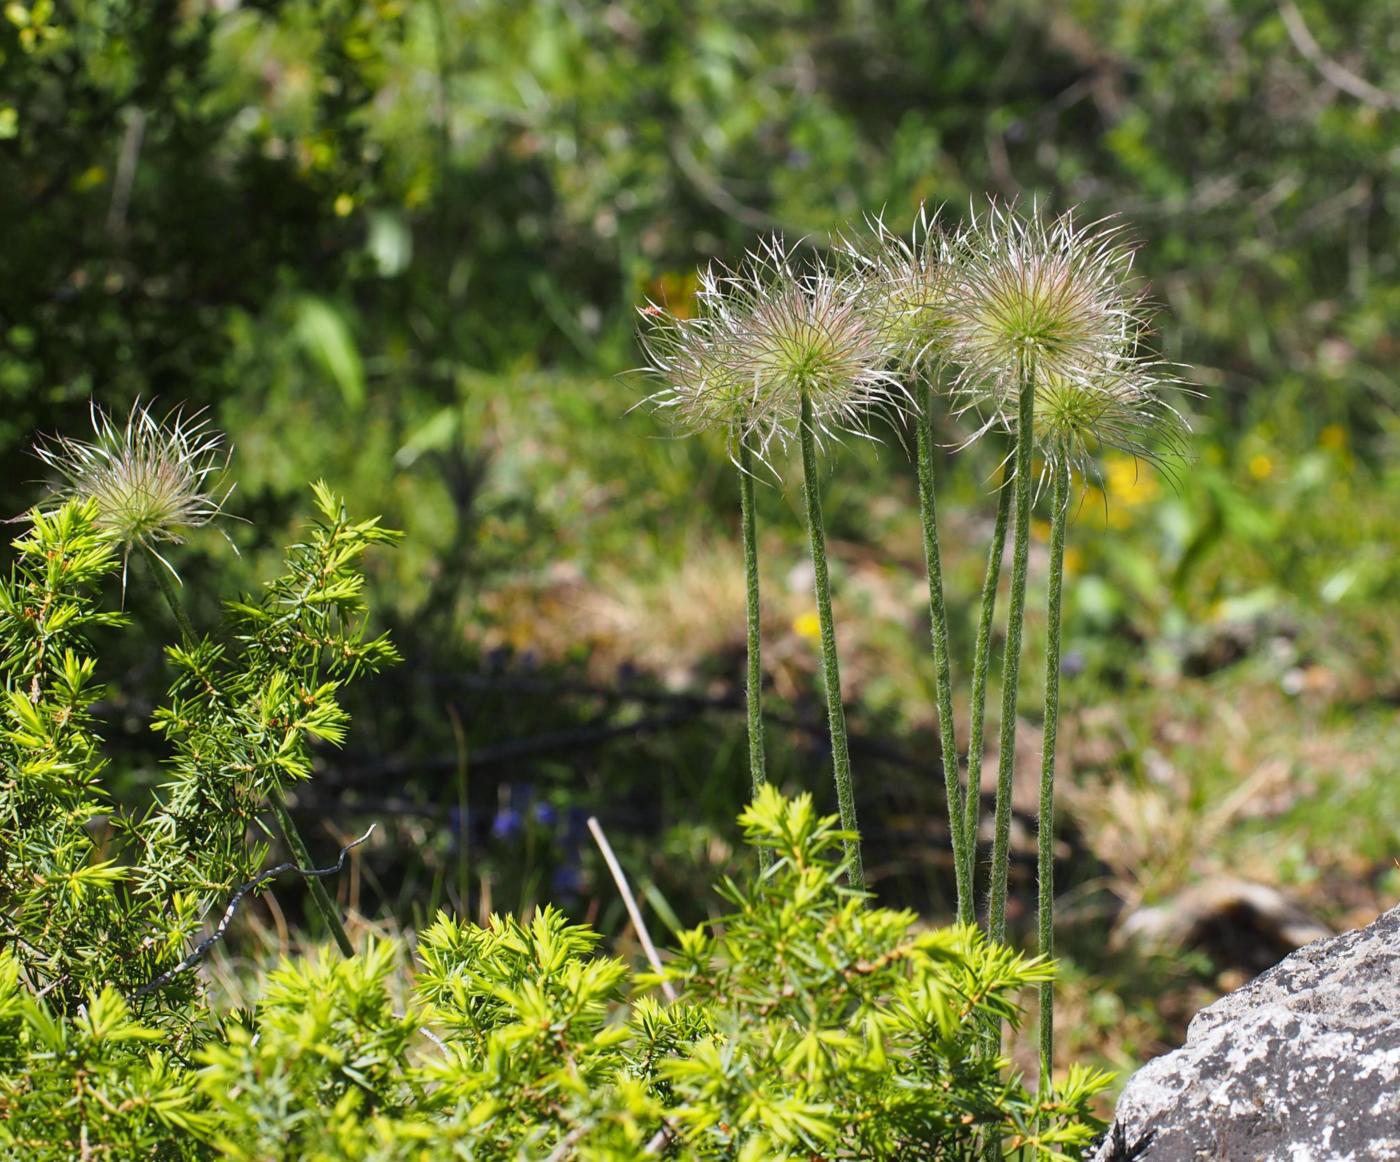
x,y
910,281
1053,304
1117,406
1038,297
702,369
811,333
153,480
765,337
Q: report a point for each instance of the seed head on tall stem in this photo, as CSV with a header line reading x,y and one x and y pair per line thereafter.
x,y
782,353
1031,288
701,366
912,281
1047,328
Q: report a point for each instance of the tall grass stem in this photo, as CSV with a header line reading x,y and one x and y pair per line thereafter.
x,y
831,669
942,676
464,831
629,901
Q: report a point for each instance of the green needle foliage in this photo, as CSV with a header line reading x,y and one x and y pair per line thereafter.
x,y
806,1024
93,898
70,915
241,718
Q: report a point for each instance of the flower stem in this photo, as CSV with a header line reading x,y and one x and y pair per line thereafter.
x,y
1011,658
322,898
942,678
754,684
167,590
981,664
831,670
1045,832
295,844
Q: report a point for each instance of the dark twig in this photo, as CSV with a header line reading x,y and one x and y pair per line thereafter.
x,y
202,949
688,708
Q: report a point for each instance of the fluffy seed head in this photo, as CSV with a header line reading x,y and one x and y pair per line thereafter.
x,y
1055,302
701,367
811,333
911,281
1046,296
765,337
1117,407
153,479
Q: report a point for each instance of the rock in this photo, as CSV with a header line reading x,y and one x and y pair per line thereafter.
x,y
1302,1065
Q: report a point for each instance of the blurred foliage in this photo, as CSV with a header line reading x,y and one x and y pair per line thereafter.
x,y
357,199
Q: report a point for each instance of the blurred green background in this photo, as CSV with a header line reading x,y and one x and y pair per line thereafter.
x,y
400,245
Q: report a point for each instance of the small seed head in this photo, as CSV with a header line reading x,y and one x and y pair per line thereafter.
x,y
154,480
911,281
1118,407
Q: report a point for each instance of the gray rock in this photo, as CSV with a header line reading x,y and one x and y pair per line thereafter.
x,y
1301,1065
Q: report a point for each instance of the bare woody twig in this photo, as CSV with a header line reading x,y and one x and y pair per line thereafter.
x,y
202,949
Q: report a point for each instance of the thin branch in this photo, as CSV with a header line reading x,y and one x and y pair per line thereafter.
x,y
713,191
202,949
1338,75
630,902
688,708
126,172
567,1144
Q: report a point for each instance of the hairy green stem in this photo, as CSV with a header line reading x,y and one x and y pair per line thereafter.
x,y
1011,659
1045,832
981,664
295,844
753,689
324,904
831,670
942,677
166,585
